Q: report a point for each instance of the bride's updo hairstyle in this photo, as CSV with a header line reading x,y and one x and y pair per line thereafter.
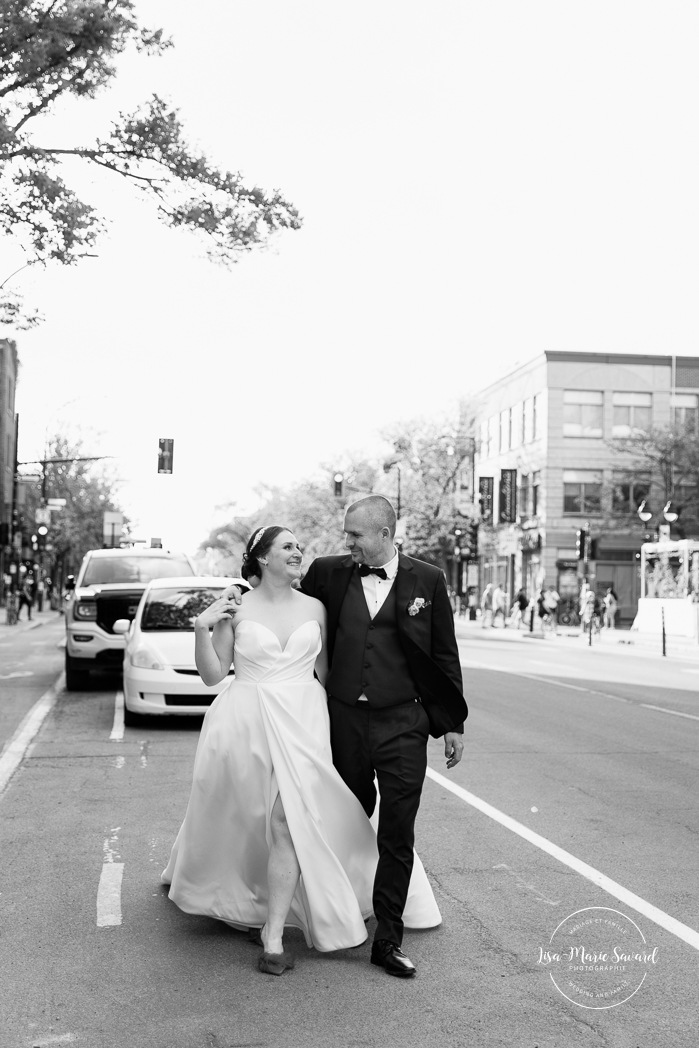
x,y
259,544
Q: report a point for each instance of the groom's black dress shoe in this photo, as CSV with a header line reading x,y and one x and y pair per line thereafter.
x,y
392,959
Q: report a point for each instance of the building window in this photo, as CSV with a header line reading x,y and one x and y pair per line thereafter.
x,y
582,413
582,491
516,422
685,411
685,498
536,404
629,492
504,431
536,478
524,494
632,414
493,427
528,427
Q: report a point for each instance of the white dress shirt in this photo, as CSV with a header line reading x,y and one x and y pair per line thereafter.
x,y
375,589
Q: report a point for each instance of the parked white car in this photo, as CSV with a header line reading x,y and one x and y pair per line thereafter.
x,y
109,585
160,675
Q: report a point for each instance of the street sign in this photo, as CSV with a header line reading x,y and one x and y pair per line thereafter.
x,y
56,503
112,526
43,515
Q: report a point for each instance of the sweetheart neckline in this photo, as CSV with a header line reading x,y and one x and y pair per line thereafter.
x,y
282,648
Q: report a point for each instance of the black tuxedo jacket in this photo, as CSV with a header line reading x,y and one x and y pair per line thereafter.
x,y
427,638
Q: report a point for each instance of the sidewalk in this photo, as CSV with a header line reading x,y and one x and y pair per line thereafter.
x,y
39,618
614,641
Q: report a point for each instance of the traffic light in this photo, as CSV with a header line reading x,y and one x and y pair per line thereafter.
x,y
469,540
165,454
41,534
339,485
581,543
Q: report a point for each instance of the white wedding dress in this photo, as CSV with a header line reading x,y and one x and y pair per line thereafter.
x,y
266,733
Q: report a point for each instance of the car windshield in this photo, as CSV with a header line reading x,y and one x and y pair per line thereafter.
x,y
105,570
176,609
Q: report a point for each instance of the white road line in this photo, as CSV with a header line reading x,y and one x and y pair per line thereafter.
x,y
118,726
577,687
675,713
14,752
51,1039
659,917
109,895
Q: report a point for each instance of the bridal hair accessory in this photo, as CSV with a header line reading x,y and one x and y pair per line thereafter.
x,y
417,605
257,538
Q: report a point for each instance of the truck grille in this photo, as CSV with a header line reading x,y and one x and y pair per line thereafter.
x,y
111,607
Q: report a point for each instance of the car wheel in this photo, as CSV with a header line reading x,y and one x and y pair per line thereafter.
x,y
131,719
76,675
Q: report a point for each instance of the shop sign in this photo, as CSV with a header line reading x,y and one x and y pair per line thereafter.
x,y
485,491
507,502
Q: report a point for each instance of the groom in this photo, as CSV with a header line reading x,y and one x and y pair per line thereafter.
x,y
394,679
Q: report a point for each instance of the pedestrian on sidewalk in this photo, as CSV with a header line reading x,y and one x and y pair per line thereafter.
x,y
550,601
499,606
588,602
611,604
487,605
520,605
26,597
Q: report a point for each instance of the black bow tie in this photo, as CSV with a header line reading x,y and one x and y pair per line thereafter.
x,y
364,569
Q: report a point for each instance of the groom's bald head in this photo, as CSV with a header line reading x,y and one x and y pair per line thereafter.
x,y
376,511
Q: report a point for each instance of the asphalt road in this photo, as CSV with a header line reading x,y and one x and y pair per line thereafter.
x,y
577,793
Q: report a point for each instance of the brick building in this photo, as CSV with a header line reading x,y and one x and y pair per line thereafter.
x,y
547,465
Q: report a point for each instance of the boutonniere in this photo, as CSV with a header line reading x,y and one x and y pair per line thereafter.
x,y
418,604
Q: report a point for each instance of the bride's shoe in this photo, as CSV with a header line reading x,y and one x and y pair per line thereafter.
x,y
275,963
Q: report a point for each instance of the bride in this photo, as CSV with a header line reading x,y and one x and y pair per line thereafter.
x,y
272,837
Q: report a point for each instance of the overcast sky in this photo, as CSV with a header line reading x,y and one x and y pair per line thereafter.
x,y
478,181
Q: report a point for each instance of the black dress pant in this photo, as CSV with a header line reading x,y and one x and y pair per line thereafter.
x,y
391,744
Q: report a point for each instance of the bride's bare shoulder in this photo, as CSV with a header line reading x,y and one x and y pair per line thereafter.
x,y
314,606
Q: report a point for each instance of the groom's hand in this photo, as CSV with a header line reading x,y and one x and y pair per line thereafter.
x,y
453,748
233,593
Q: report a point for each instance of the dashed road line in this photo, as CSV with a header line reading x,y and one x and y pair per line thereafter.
x,y
642,906
577,687
109,888
117,733
109,895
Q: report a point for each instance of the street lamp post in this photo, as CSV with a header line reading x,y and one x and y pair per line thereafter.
x,y
388,465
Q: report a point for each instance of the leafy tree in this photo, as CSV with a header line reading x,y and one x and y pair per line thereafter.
x,y
435,458
78,526
54,49
309,509
432,459
669,457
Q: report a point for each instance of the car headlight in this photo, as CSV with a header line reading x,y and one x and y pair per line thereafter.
x,y
86,610
145,659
